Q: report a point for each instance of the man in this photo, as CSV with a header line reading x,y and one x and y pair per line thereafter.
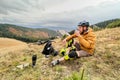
x,y
86,45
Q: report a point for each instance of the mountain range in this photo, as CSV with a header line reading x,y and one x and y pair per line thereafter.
x,y
25,34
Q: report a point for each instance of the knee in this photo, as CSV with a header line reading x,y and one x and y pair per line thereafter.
x,y
71,55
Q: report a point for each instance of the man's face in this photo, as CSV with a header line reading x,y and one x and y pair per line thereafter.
x,y
80,28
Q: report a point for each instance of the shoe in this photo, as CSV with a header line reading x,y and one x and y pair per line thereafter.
x,y
53,63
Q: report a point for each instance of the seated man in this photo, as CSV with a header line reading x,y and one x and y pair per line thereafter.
x,y
86,45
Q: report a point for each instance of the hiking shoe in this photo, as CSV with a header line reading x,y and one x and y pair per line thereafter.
x,y
55,62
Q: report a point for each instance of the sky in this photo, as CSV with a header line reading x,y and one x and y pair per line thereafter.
x,y
57,13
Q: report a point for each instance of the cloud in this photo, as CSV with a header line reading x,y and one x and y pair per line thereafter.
x,y
103,11
57,13
11,6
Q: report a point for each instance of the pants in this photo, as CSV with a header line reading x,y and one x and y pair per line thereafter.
x,y
80,52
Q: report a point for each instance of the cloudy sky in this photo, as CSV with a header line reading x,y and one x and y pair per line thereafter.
x,y
57,13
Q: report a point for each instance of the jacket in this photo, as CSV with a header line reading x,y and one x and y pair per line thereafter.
x,y
86,40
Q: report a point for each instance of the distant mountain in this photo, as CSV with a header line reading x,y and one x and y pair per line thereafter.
x,y
69,28
105,23
25,34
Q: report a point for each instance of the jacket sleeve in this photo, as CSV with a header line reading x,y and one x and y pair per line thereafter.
x,y
88,42
70,37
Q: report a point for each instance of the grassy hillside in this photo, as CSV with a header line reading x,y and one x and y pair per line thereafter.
x,y
114,24
105,23
6,42
104,65
25,34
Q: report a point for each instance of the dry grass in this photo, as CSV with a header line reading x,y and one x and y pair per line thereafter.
x,y
6,42
104,65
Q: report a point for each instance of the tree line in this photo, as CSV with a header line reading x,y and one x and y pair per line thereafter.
x,y
106,24
4,32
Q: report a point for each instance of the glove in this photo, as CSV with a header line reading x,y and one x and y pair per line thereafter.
x,y
69,43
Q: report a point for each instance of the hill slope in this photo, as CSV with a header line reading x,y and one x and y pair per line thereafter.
x,y
105,23
103,65
6,42
25,34
8,45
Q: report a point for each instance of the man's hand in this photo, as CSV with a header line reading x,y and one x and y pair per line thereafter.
x,y
77,33
64,41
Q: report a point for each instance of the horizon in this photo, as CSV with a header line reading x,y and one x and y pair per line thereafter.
x,y
55,28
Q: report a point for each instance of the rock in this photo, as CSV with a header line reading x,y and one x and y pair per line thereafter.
x,y
22,66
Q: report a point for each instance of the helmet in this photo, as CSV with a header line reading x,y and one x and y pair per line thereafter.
x,y
83,23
